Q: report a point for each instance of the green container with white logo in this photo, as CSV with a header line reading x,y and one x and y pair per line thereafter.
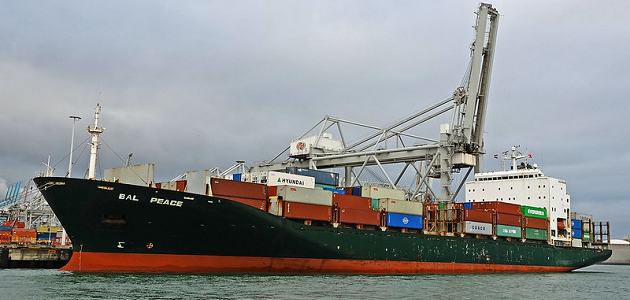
x,y
534,212
508,231
535,234
587,237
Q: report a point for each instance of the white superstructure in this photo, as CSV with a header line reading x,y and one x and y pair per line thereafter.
x,y
525,184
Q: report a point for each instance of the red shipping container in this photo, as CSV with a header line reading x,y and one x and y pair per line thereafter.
x,y
180,185
20,224
349,201
502,207
306,211
537,223
359,216
257,203
508,219
561,225
23,232
484,216
272,191
239,189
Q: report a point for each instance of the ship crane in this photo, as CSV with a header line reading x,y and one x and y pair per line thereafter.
x,y
459,146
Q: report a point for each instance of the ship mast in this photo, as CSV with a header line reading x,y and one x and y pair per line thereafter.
x,y
94,130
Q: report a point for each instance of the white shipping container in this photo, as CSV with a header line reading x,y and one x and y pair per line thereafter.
x,y
576,243
478,228
581,216
278,178
400,206
275,206
376,192
196,181
305,195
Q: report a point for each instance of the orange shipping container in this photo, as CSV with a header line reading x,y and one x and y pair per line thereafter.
x,y
508,219
484,216
502,207
355,202
239,189
537,223
359,216
306,211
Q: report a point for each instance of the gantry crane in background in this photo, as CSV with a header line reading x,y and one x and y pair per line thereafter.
x,y
460,145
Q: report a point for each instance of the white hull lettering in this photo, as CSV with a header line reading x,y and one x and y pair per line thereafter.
x,y
162,201
122,196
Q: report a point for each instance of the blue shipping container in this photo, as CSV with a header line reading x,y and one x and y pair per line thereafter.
x,y
576,224
468,205
46,235
576,234
404,221
335,191
356,191
5,228
236,177
321,177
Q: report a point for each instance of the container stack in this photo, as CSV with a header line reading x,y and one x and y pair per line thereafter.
x,y
355,210
252,194
584,223
535,222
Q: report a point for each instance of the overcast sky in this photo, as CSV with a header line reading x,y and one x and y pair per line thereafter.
x,y
190,85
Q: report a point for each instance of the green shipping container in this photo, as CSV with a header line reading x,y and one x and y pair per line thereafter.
x,y
441,206
509,231
375,204
587,237
535,234
534,212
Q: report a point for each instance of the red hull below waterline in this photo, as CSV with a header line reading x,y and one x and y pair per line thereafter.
x,y
169,263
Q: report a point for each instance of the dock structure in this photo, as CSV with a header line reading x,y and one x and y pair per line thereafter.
x,y
34,256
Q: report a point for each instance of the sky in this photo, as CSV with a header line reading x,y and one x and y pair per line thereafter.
x,y
191,85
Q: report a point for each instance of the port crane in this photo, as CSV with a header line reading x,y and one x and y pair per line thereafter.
x,y
459,146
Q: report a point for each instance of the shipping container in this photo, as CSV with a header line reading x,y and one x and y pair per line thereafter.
x,y
48,229
581,216
238,189
305,211
509,231
20,224
404,220
468,205
532,222
359,216
5,228
535,234
400,206
560,225
275,206
349,201
321,177
335,191
498,206
236,177
376,192
576,243
272,191
356,191
483,216
587,237
534,212
576,224
375,203
478,228
46,236
325,186
576,234
305,195
509,219
278,178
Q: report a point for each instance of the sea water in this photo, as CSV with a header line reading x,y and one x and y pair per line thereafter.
x,y
594,282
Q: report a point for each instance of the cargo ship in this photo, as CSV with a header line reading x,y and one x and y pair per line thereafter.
x,y
295,216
